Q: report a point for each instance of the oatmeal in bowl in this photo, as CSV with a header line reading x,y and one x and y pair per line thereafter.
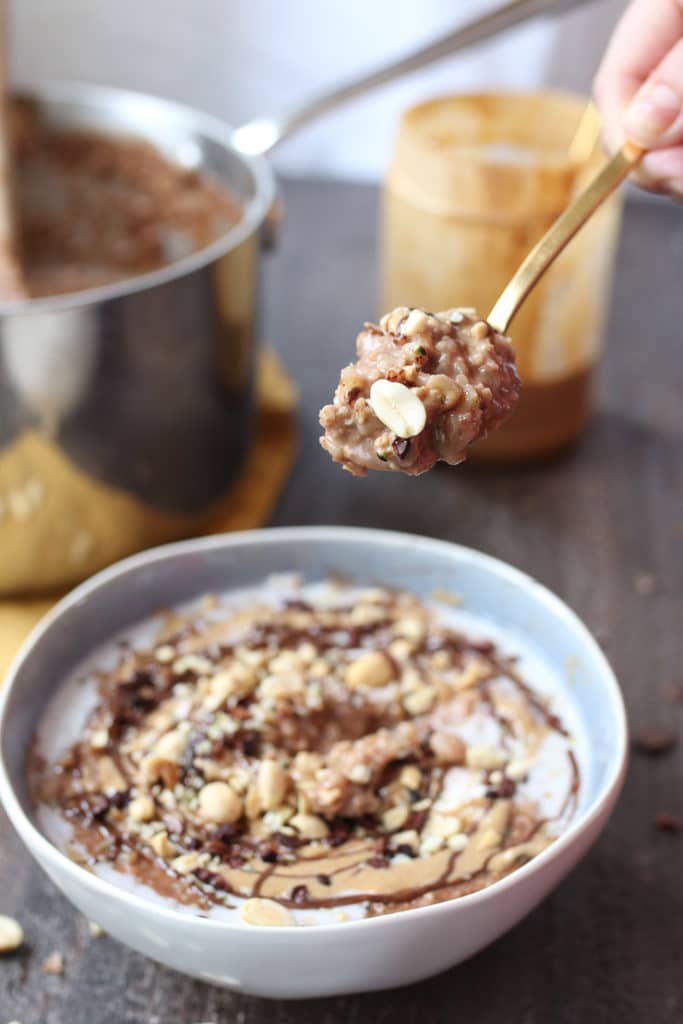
x,y
291,751
424,388
295,772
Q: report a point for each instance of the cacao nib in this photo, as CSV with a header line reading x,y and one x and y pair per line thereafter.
x,y
483,646
215,848
248,742
336,839
401,446
653,741
666,822
406,850
95,806
288,842
193,742
324,879
299,894
417,819
143,702
505,790
210,878
298,606
225,833
120,799
674,693
267,853
218,747
142,677
340,830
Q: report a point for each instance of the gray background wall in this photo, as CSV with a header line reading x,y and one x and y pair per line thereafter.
x,y
239,58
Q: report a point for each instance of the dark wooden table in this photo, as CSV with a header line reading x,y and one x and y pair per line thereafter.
x,y
608,945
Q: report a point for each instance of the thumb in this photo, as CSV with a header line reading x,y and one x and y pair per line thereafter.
x,y
654,117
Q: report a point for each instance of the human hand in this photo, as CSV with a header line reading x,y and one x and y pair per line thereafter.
x,y
639,91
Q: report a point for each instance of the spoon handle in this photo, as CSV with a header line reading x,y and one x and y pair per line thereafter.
x,y
263,134
561,233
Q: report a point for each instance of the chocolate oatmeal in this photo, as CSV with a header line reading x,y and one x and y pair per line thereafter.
x,y
95,209
326,749
424,387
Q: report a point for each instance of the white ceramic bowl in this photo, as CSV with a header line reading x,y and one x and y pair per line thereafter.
x,y
326,959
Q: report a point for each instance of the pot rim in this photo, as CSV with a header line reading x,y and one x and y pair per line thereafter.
x,y
254,211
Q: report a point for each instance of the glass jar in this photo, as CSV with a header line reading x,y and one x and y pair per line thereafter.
x,y
474,183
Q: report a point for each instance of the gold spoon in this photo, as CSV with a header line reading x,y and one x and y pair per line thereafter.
x,y
561,233
586,135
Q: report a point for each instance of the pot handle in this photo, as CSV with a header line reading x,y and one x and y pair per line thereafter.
x,y
261,135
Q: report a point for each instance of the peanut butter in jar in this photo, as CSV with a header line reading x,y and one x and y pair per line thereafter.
x,y
474,183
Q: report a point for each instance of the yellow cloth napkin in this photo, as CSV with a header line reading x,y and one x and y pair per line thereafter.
x,y
248,504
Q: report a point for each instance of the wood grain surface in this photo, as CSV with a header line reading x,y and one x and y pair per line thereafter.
x,y
602,526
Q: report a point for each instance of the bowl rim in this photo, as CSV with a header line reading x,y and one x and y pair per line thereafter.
x,y
48,853
254,211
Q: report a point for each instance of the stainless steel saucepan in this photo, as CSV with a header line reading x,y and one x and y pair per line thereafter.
x,y
125,410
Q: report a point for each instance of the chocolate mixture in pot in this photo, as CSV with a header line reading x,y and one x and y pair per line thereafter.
x,y
95,209
317,750
424,387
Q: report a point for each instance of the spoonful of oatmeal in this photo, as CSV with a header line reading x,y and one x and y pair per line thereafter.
x,y
426,386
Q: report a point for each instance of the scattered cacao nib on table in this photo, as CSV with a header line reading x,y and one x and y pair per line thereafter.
x,y
424,388
653,741
645,584
666,822
674,693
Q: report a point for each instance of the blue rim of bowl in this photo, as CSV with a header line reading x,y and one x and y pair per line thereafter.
x,y
254,211
33,837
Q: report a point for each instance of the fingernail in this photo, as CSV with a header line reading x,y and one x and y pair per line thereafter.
x,y
653,110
